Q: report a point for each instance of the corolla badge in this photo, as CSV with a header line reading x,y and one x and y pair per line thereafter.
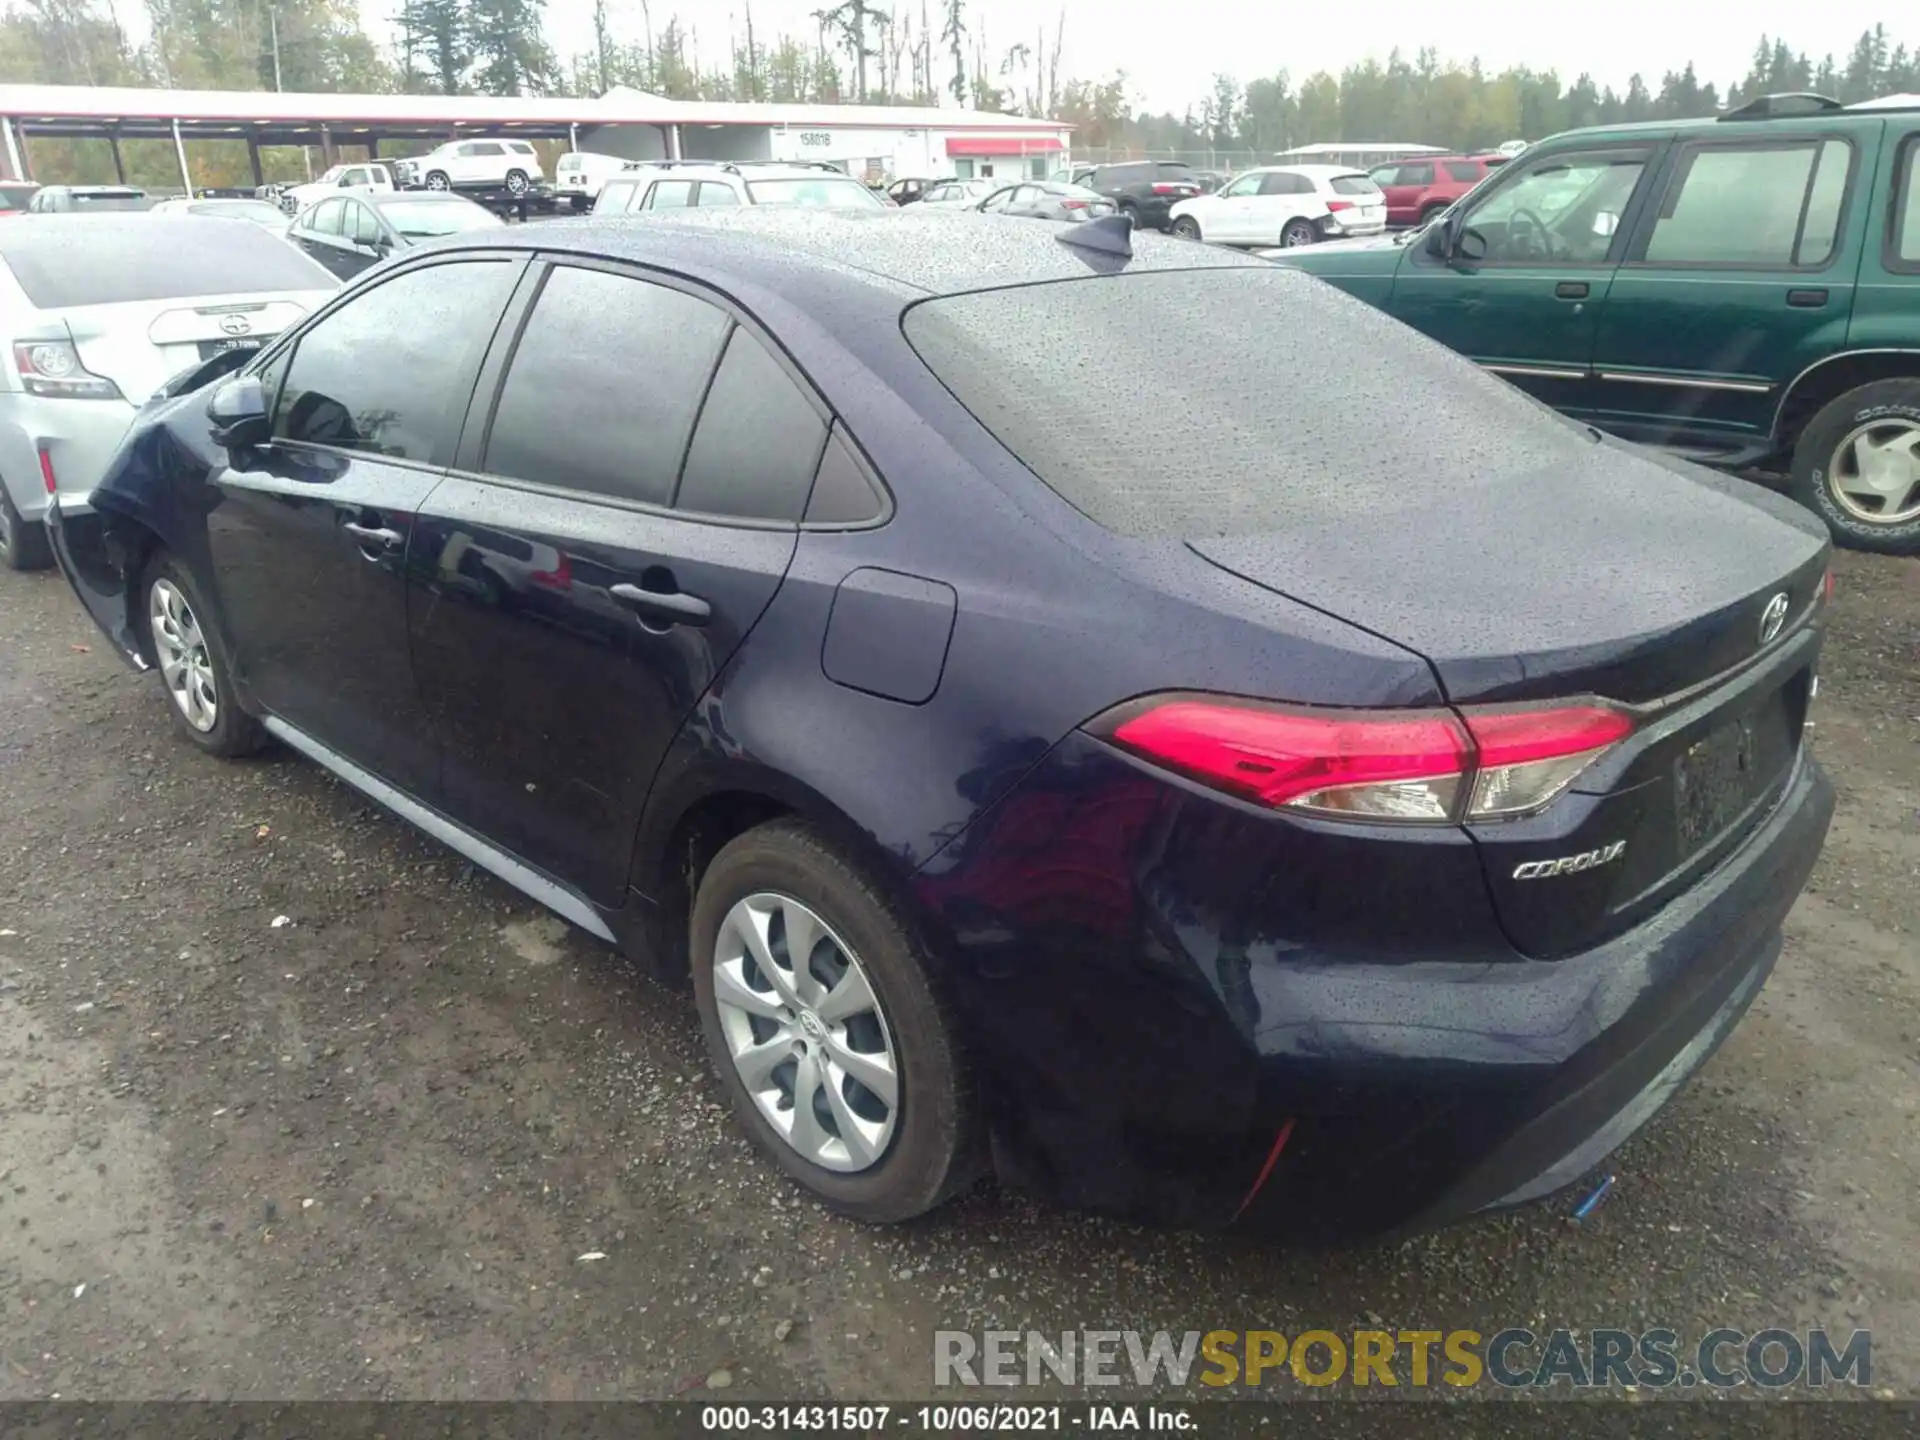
x,y
1772,618
1570,864
240,325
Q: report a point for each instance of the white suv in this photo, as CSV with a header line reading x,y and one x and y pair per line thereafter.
x,y
676,184
509,165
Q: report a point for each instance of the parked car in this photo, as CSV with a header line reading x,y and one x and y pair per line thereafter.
x,y
657,185
96,312
1418,190
16,196
1744,291
909,190
958,193
1409,832
1046,200
87,200
1146,190
1210,181
1285,205
350,233
578,176
263,213
509,165
367,178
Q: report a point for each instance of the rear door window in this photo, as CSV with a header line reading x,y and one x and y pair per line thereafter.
x,y
1756,206
1418,174
1281,183
670,195
1903,246
758,441
712,192
604,386
1461,169
391,371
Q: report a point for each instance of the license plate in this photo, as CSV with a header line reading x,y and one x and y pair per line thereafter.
x,y
1718,778
211,348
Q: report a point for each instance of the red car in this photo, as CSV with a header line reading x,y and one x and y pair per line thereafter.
x,y
1418,190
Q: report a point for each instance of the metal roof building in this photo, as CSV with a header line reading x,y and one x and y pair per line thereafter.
x,y
897,139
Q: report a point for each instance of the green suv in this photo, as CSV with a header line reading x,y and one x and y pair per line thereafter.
x,y
1743,291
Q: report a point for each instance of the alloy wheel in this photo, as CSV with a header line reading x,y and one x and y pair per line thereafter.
x,y
437,181
1297,233
806,1033
1874,474
182,651
516,184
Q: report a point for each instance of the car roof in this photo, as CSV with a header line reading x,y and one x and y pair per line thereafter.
x,y
1312,172
902,251
381,198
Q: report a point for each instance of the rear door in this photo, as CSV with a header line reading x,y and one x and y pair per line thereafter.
x,y
309,540
322,234
1737,280
625,506
669,195
1403,188
1552,230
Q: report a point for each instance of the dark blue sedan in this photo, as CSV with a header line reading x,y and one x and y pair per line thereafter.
x,y
1027,683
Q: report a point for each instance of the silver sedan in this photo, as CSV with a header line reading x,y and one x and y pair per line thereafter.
x,y
1047,200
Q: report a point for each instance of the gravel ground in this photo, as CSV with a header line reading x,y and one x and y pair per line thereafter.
x,y
364,1152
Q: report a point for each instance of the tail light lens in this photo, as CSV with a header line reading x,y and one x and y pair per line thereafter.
x,y
53,368
1163,187
1431,766
1338,205
1073,204
46,472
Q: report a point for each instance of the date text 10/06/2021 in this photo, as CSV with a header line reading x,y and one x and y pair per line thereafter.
x,y
946,1419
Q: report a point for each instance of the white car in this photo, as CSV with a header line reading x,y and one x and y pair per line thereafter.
x,y
367,177
943,193
677,184
1285,206
510,165
580,174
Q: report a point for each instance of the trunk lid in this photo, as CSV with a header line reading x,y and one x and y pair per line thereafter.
x,y
140,345
1615,575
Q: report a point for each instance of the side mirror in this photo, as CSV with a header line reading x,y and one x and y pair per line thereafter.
x,y
237,411
1470,245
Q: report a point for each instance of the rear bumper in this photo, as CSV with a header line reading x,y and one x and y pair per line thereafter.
x,y
78,436
1145,1054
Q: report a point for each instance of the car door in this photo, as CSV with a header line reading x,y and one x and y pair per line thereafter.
x,y
319,232
308,539
568,608
361,235
1738,279
1283,196
1525,295
1227,217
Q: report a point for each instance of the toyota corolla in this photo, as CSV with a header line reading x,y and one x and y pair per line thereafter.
x,y
1213,821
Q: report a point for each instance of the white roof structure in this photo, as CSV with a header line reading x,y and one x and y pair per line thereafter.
x,y
1889,102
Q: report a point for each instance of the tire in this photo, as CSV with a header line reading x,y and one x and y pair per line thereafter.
x,y
517,182
1132,212
1187,228
1298,232
1426,215
931,1147
23,543
1883,416
437,180
228,731
580,204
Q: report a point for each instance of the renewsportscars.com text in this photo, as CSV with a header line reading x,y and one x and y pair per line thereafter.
x,y
1513,1359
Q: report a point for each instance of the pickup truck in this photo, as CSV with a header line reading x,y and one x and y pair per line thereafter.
x,y
367,175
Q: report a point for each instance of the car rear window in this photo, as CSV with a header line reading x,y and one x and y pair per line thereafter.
x,y
109,200
1462,169
1069,377
106,263
424,219
1354,185
819,192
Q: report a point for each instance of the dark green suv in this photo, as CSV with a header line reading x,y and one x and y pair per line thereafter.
x,y
1744,291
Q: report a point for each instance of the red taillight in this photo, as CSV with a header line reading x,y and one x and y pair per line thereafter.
x,y
46,472
1163,187
1826,585
1422,765
1073,204
1339,204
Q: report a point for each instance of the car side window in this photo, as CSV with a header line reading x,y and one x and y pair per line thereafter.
x,y
1420,174
391,371
1281,184
758,441
997,201
712,192
1562,209
615,196
327,217
1767,206
669,195
1461,170
1903,247
1245,185
844,493
604,386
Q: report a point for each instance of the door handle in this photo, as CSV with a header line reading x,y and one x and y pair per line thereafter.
x,y
374,535
1570,290
672,606
1806,299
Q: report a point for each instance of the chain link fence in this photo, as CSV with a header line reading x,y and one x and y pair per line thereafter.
x,y
1229,161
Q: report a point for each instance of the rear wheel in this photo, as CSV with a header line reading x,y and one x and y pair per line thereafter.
x,y
192,665
23,543
516,182
1297,232
437,180
1187,228
830,1027
1426,215
1857,466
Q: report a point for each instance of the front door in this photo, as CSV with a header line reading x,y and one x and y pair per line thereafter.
x,y
1546,241
579,585
1741,277
1228,221
309,539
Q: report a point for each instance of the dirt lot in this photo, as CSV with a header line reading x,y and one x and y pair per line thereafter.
x,y
361,1153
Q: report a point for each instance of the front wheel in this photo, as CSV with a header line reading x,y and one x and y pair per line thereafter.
x,y
1298,232
830,1027
516,182
1187,228
23,543
437,180
1857,466
193,667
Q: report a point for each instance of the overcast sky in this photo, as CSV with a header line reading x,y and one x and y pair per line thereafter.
x,y
1172,50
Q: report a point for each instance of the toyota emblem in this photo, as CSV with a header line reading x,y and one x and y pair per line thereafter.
x,y
1773,617
236,324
